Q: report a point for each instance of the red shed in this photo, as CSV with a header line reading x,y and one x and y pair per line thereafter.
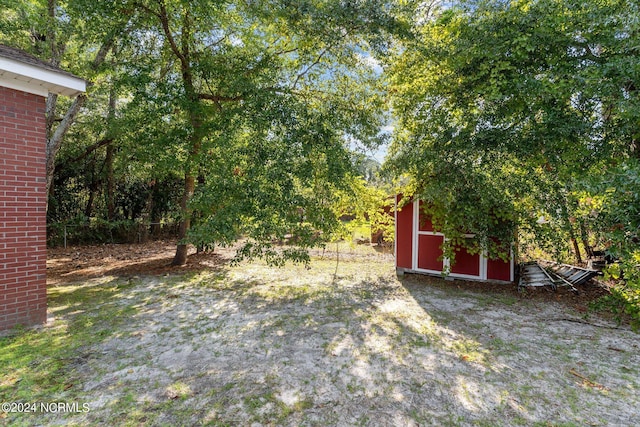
x,y
418,250
25,82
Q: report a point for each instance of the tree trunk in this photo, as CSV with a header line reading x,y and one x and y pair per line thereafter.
x,y
110,193
93,188
576,249
182,52
55,140
153,212
89,208
146,214
584,236
568,221
111,205
185,224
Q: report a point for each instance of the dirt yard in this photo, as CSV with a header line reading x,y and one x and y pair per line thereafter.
x,y
343,343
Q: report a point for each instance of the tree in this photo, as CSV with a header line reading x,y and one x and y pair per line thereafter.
x,y
254,102
609,204
503,106
58,34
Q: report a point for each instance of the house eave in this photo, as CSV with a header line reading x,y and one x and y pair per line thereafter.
x,y
33,79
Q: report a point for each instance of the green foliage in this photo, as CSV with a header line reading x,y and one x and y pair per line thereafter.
x,y
611,199
371,210
253,105
87,231
503,107
257,102
524,115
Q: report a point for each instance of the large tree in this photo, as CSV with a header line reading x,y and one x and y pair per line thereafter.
x,y
255,103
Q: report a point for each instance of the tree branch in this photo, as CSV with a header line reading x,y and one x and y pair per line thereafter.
x,y
164,21
320,56
313,64
101,143
54,139
53,143
220,98
589,53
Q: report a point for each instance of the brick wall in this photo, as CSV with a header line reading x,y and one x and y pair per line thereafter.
x,y
23,251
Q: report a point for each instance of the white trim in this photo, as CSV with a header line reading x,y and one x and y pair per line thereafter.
x,y
454,275
395,229
33,79
416,233
483,266
513,267
23,87
466,276
430,233
424,270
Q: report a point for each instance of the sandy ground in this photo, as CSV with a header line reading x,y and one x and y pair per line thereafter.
x,y
342,343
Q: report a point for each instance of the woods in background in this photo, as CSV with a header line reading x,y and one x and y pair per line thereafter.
x,y
239,118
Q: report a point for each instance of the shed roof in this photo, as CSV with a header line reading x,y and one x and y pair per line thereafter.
x,y
22,71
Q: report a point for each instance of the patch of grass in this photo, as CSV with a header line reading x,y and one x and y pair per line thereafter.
x,y
354,388
623,303
255,402
500,346
421,342
363,420
469,351
130,411
494,298
269,409
41,364
361,231
300,405
283,291
178,390
555,424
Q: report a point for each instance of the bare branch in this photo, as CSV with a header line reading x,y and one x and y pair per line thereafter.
x,y
101,143
313,64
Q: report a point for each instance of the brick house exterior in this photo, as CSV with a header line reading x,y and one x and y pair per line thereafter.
x,y
25,82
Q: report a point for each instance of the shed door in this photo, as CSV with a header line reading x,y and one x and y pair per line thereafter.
x,y
428,255
466,263
428,242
